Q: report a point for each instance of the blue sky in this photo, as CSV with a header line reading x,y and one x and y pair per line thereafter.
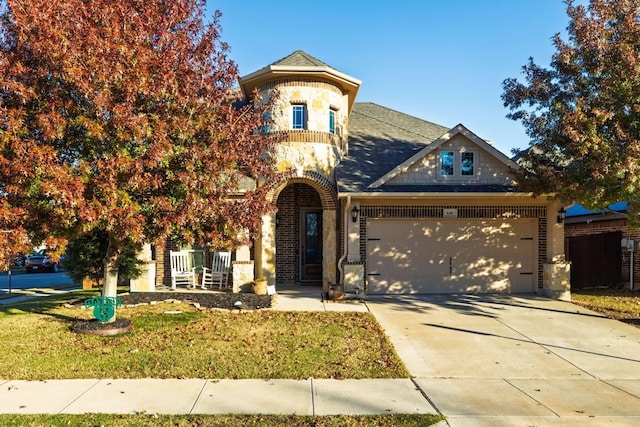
x,y
439,60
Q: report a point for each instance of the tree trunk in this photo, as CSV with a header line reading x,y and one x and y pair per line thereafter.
x,y
110,287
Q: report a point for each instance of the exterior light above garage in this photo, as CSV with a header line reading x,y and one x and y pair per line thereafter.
x,y
354,214
562,214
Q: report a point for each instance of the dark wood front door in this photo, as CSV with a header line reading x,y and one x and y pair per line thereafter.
x,y
311,245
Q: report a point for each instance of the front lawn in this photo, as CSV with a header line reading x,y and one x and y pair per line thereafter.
x,y
179,341
620,305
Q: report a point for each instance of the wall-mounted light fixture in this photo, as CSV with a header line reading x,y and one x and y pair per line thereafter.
x,y
277,220
354,214
562,214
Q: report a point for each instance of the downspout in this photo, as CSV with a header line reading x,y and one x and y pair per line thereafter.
x,y
631,271
346,240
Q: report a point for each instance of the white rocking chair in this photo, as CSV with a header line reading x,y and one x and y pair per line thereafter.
x,y
219,271
181,271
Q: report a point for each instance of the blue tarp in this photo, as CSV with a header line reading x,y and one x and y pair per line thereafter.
x,y
579,210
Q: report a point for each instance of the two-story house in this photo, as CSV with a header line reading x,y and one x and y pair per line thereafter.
x,y
371,196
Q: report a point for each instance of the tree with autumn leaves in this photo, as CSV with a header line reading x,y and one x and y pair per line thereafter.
x,y
583,113
122,116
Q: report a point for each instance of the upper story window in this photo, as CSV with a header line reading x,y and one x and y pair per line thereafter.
x,y
447,163
332,121
299,116
461,164
467,164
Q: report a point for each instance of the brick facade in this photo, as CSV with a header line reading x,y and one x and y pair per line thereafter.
x,y
163,263
290,201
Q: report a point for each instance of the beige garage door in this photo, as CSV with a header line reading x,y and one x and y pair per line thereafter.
x,y
450,256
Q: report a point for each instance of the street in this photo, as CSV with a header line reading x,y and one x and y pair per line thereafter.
x,y
36,280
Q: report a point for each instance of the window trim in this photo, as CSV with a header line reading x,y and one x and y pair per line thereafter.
x,y
473,166
457,164
453,166
333,119
303,106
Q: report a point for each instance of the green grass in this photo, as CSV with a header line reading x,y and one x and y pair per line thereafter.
x,y
193,344
144,420
211,344
620,305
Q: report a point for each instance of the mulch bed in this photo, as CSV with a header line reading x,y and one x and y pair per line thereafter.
x,y
221,300
214,300
94,327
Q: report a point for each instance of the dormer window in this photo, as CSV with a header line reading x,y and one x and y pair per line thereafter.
x,y
299,116
332,121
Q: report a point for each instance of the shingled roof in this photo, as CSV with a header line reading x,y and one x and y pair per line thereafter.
x,y
379,140
300,58
300,64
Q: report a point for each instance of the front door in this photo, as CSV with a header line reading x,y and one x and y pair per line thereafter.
x,y
311,245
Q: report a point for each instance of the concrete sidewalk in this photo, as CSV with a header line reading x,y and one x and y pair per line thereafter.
x,y
309,298
199,396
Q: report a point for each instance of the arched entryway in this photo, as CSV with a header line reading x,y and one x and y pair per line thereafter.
x,y
299,242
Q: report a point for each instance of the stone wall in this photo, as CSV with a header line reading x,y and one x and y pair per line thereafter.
x,y
318,96
557,280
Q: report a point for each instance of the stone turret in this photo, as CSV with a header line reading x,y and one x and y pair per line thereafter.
x,y
312,109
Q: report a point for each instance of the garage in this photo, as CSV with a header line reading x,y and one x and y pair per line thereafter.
x,y
445,255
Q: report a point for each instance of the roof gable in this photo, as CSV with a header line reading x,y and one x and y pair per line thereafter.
x,y
379,139
437,144
384,144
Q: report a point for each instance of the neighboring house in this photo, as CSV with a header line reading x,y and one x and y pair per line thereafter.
x,y
371,196
593,244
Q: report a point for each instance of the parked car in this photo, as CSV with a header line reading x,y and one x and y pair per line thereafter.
x,y
40,262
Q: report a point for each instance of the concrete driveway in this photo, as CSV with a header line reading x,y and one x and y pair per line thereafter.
x,y
516,360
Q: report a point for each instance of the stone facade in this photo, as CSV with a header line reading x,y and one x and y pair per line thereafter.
x,y
308,157
242,276
354,278
318,96
557,280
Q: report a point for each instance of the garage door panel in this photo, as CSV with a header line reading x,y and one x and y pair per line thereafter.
x,y
450,256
